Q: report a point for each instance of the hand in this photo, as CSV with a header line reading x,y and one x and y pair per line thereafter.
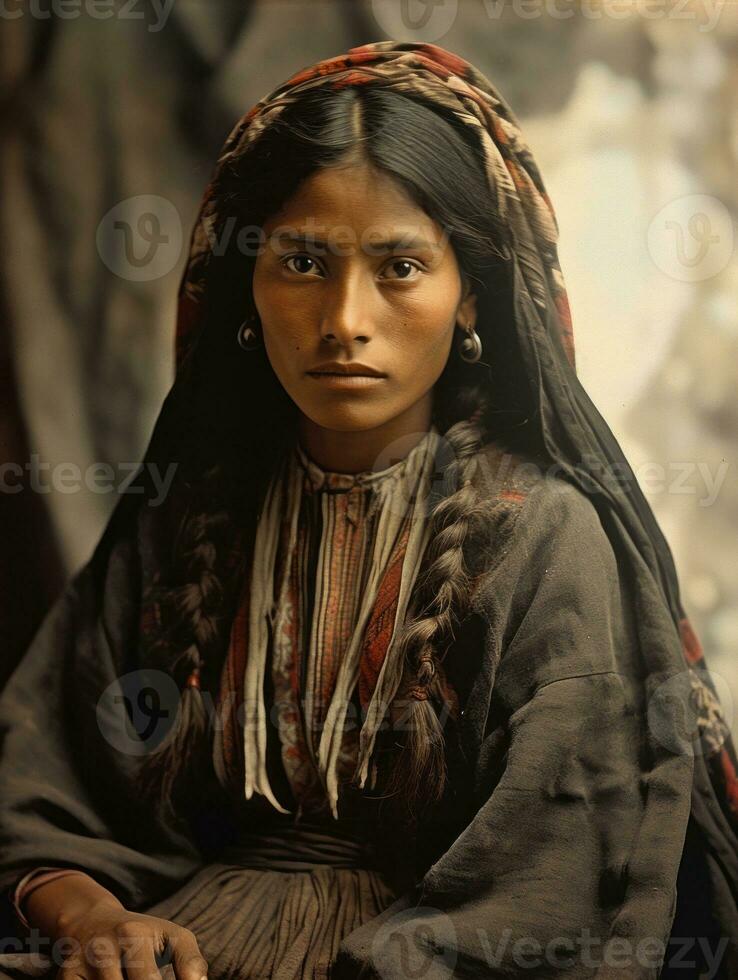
x,y
95,937
105,939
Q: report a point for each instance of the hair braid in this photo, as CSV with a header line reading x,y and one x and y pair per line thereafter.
x,y
419,775
189,614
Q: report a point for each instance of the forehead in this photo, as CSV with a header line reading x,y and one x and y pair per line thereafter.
x,y
358,198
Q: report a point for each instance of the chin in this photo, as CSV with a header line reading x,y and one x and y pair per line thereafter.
x,y
335,424
356,419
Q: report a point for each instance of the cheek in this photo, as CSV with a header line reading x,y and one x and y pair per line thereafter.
x,y
273,302
420,346
259,290
285,333
284,347
426,326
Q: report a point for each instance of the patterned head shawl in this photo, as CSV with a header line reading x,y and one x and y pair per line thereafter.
x,y
575,435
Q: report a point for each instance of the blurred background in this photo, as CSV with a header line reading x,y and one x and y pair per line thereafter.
x,y
112,116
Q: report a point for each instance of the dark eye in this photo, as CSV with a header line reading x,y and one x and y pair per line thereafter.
x,y
301,257
404,264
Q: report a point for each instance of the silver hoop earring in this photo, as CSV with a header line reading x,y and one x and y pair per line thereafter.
x,y
247,337
471,346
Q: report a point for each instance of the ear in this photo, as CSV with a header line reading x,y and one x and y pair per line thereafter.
x,y
467,312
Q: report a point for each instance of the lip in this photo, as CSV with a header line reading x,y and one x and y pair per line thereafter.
x,y
342,381
352,369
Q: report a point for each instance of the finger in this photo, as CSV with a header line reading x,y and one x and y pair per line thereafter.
x,y
73,970
66,956
188,961
87,962
77,962
102,957
138,955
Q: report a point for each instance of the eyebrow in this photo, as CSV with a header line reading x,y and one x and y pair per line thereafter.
x,y
389,244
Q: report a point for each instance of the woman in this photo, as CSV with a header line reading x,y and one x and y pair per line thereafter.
x,y
397,681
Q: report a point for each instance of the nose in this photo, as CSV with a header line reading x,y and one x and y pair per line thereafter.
x,y
345,316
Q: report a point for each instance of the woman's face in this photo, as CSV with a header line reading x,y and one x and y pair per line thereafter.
x,y
352,270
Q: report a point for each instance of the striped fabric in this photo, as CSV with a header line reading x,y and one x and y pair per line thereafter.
x,y
335,558
330,569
